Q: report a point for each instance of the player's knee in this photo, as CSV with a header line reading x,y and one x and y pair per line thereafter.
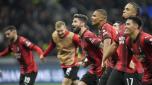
x,y
75,82
82,83
67,81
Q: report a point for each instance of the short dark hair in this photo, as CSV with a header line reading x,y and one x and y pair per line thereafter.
x,y
136,6
82,17
11,28
102,11
136,20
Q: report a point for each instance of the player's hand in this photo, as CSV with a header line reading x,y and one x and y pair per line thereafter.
x,y
132,65
81,64
42,58
103,64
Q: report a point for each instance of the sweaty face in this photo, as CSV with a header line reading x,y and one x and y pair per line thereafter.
x,y
130,27
76,24
61,31
97,18
10,34
128,11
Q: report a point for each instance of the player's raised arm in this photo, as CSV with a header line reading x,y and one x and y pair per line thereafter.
x,y
50,47
32,46
4,52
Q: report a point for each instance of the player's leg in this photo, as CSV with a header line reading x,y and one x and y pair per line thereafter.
x,y
82,83
88,79
75,82
70,75
103,79
29,78
21,81
66,81
74,76
116,78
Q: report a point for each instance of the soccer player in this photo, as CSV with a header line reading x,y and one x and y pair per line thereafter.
x,y
107,33
22,50
91,44
66,43
141,46
130,9
122,74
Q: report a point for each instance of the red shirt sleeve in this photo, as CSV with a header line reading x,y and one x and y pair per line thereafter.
x,y
37,49
147,41
108,32
32,46
4,52
76,40
93,39
51,46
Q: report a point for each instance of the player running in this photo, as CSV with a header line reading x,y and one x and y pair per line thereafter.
x,y
22,49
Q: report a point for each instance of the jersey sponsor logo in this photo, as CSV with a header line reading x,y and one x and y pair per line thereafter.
x,y
121,40
104,32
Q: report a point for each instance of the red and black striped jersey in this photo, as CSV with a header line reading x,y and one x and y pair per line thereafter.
x,y
107,31
22,50
142,47
90,43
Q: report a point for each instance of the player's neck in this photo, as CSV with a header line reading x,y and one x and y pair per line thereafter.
x,y
102,23
134,35
82,30
15,38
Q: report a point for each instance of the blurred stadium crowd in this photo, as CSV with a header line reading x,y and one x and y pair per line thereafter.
x,y
35,18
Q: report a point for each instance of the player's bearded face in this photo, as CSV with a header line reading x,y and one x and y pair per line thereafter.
x,y
128,11
76,25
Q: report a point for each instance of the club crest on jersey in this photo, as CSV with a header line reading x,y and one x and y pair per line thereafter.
x,y
121,40
28,43
104,32
150,40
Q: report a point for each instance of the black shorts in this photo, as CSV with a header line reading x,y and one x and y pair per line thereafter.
x,y
122,78
134,79
147,82
71,73
90,79
28,78
103,79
